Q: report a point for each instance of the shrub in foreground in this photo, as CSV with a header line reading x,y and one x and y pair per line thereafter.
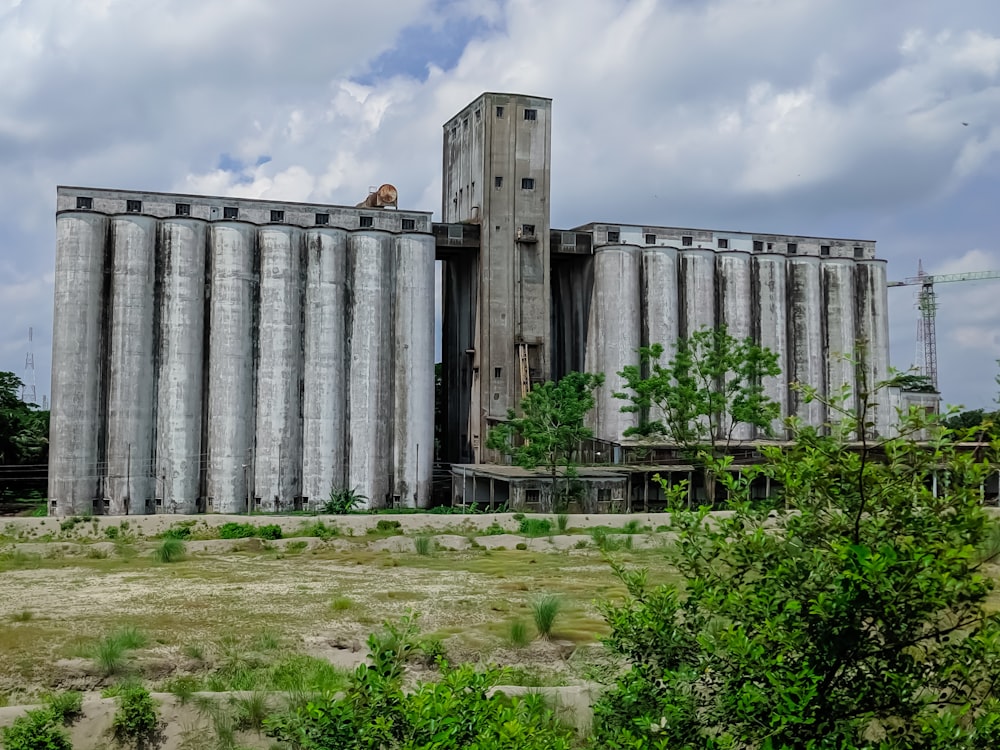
x,y
137,719
36,730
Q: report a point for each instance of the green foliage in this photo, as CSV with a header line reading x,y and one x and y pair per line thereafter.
x,y
562,521
911,381
713,383
986,424
424,545
111,652
851,613
341,604
170,550
137,718
65,706
36,730
343,501
544,610
535,527
24,438
318,529
235,530
517,634
392,527
183,687
251,710
180,530
550,429
453,712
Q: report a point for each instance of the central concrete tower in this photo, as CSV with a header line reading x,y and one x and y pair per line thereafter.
x,y
496,174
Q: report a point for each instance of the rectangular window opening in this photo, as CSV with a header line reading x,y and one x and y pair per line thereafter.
x,y
322,219
182,209
84,203
650,239
770,246
367,221
687,240
277,216
497,372
793,248
478,115
498,182
531,114
527,183
758,246
859,252
133,207
723,244
409,225
230,212
614,236
499,112
824,249
528,230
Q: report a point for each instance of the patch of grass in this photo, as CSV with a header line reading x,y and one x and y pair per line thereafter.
x,y
424,545
544,610
194,651
317,529
521,546
251,710
562,521
67,706
183,687
295,548
96,553
535,527
266,640
632,527
111,652
131,636
234,530
517,634
494,529
180,530
340,604
386,526
170,550
24,615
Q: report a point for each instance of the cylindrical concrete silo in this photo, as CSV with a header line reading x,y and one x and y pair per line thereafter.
x,y
278,451
231,365
769,321
370,388
660,310
733,271
324,412
805,336
839,329
873,338
697,290
413,367
78,346
614,334
180,376
131,387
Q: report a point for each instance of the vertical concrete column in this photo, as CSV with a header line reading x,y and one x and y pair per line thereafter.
x,y
697,290
733,271
278,452
839,328
78,349
131,388
370,385
660,313
805,336
413,369
770,329
873,339
615,334
231,366
325,372
180,378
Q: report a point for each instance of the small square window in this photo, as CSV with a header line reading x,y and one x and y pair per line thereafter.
x,y
723,244
793,248
650,239
277,216
758,246
479,115
531,114
859,252
527,183
85,203
770,246
322,219
687,240
614,236
498,182
182,209
230,212
824,249
367,221
133,207
497,372
527,230
409,225
499,112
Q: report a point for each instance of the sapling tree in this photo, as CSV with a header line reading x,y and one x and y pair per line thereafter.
x,y
853,612
550,428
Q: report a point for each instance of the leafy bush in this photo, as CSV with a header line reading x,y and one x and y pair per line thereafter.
x,y
544,610
180,530
317,529
36,730
535,527
521,546
235,530
65,706
170,550
385,524
343,501
454,712
137,718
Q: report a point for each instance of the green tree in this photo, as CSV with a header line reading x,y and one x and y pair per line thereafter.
x,y
24,438
550,429
856,618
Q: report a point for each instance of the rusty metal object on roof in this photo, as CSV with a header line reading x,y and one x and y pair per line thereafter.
x,y
384,195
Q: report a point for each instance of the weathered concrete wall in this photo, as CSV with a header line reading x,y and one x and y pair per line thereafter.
x,y
770,329
805,337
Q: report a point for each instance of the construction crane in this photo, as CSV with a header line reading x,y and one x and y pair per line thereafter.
x,y
927,305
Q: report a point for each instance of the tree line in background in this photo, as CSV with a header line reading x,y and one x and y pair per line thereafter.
x,y
24,445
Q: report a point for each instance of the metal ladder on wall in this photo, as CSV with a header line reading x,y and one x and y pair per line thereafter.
x,y
525,373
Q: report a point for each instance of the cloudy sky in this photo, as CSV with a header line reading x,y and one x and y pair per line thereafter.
x,y
849,118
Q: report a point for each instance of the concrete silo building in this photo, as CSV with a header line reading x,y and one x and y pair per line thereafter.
x,y
214,354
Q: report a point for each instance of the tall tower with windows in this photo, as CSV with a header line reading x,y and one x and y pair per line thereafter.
x,y
497,166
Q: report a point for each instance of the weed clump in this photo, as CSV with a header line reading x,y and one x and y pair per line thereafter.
x,y
424,545
535,526
385,525
170,550
517,634
544,610
235,530
65,706
137,718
